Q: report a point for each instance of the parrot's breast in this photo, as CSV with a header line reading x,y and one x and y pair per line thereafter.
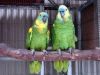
x,y
63,37
40,25
38,40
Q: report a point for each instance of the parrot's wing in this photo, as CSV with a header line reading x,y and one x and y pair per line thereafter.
x,y
74,33
28,38
48,37
52,33
71,21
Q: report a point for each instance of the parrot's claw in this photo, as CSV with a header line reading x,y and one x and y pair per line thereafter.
x,y
59,51
45,52
70,50
33,51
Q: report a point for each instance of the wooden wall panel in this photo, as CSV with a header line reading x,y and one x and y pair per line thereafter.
x,y
88,27
98,18
11,67
89,41
15,22
74,3
20,2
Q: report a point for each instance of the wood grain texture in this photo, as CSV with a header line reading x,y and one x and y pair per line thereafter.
x,y
24,54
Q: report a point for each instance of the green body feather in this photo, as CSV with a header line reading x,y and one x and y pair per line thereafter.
x,y
63,37
37,40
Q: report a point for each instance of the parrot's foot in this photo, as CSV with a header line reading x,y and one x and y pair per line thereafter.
x,y
49,48
70,50
59,51
33,51
45,52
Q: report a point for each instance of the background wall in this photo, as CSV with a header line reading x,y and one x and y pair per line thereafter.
x,y
15,21
89,33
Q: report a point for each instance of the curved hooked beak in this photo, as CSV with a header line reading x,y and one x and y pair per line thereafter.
x,y
62,13
44,19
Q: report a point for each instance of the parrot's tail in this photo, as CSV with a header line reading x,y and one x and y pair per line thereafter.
x,y
61,66
35,67
65,66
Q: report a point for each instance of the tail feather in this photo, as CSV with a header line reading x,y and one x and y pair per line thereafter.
x,y
35,67
58,66
65,66
61,66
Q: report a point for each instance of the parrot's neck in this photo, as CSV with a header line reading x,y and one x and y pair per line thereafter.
x,y
40,25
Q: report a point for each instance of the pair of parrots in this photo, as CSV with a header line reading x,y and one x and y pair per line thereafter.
x,y
62,37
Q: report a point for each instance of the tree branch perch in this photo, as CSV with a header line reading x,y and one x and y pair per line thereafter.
x,y
24,54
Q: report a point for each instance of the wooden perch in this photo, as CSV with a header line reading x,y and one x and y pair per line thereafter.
x,y
24,54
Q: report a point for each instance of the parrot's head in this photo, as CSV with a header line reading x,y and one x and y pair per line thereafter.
x,y
63,12
43,17
41,21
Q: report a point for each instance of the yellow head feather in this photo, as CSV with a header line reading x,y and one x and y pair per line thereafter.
x,y
66,16
66,12
40,25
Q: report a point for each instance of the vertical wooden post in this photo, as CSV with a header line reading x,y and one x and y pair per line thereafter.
x,y
98,18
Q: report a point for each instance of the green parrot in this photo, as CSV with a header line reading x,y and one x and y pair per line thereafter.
x,y
37,39
63,36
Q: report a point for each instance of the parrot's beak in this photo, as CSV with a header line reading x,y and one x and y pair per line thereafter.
x,y
62,13
44,19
